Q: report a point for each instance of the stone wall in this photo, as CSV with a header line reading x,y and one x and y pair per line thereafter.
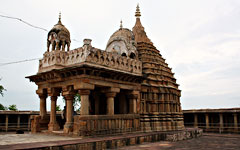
x,y
85,125
214,120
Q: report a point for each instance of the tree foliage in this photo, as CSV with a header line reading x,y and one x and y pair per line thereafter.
x,y
1,89
76,102
3,107
13,107
58,108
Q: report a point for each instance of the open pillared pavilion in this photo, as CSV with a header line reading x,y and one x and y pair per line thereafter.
x,y
127,87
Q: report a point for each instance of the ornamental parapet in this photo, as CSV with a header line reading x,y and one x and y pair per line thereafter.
x,y
91,56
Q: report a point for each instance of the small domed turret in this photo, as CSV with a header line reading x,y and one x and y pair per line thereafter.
x,y
122,42
58,37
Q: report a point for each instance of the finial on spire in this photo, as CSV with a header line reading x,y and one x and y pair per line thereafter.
x,y
121,26
138,13
59,18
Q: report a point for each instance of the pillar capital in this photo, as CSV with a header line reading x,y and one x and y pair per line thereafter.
x,y
234,114
68,90
111,94
41,91
84,92
133,96
53,92
53,98
84,85
42,96
111,89
69,97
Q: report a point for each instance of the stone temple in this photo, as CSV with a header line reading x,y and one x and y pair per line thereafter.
x,y
127,87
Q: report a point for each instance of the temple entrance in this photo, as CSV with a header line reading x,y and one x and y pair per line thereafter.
x,y
121,103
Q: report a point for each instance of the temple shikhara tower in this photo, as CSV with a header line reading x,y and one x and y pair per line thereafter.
x,y
127,87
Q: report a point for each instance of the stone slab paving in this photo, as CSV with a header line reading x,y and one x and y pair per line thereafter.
x,y
206,142
8,139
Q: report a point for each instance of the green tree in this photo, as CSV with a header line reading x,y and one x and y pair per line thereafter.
x,y
12,107
1,93
1,89
58,108
2,107
76,102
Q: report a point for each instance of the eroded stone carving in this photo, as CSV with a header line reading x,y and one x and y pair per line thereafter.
x,y
90,55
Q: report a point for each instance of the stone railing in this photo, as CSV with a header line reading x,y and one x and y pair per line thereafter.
x,y
60,59
85,125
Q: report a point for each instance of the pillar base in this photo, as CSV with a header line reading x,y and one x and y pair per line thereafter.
x,y
53,127
68,127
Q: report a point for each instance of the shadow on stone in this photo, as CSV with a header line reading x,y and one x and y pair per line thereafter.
x,y
19,132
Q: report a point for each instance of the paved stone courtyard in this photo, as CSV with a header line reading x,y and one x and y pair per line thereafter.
x,y
11,138
206,142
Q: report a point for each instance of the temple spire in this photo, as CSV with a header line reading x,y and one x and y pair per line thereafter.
x,y
59,18
138,29
138,13
121,26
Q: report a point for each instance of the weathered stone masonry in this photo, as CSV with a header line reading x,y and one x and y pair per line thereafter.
x,y
126,88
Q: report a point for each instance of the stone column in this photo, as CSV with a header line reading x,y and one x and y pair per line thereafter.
x,y
6,123
195,121
177,106
133,103
235,122
53,125
207,121
110,103
43,109
85,104
162,104
18,121
167,103
29,122
220,123
69,113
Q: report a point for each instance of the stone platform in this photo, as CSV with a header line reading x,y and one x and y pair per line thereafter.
x,y
104,142
209,141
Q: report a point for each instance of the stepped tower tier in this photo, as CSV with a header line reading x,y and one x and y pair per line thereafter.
x,y
160,97
58,37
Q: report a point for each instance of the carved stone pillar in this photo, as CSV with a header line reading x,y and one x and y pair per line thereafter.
x,y
235,118
85,104
18,121
133,103
43,109
110,103
220,123
53,125
162,103
195,120
167,103
69,113
207,121
6,123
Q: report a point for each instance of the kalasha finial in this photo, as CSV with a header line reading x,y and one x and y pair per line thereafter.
x,y
121,26
59,18
138,13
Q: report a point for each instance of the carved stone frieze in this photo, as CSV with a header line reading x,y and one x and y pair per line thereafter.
x,y
92,56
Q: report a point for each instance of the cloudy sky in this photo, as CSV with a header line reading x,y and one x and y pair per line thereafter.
x,y
200,40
